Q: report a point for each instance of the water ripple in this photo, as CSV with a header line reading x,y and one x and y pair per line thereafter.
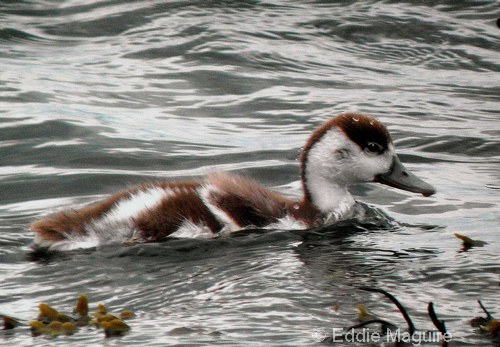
x,y
10,35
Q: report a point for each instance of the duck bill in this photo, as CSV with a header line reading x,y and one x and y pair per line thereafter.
x,y
400,177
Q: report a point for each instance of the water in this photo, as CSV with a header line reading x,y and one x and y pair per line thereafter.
x,y
99,95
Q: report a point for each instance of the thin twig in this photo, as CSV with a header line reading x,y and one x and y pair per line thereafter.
x,y
488,315
439,324
411,326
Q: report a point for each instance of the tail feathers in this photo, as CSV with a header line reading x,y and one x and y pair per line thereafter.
x,y
68,225
57,228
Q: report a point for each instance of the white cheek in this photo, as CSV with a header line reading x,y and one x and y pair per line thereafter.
x,y
326,158
373,165
337,159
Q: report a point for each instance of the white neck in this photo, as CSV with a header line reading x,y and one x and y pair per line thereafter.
x,y
328,172
330,199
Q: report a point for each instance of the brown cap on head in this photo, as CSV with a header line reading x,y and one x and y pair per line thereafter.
x,y
361,129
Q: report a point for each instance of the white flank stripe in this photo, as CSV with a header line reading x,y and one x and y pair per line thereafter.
x,y
192,230
287,223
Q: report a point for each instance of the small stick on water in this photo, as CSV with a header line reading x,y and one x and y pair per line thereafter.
x,y
488,315
439,324
411,326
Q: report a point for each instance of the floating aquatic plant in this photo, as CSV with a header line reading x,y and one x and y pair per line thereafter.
x,y
52,322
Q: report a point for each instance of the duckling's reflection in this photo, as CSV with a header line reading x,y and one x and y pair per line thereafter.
x,y
335,255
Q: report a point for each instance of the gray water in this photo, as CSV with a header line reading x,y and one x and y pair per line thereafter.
x,y
97,95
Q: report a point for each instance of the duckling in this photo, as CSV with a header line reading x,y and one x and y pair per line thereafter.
x,y
347,149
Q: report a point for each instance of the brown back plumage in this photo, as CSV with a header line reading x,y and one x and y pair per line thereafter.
x,y
246,201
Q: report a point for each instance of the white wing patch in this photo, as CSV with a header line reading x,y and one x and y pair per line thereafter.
x,y
229,224
117,225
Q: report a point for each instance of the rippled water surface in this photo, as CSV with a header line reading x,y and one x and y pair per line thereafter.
x,y
99,95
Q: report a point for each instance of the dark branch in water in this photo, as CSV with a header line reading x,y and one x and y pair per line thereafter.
x,y
411,326
439,324
488,315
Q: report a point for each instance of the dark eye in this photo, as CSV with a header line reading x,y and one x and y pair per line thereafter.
x,y
373,148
